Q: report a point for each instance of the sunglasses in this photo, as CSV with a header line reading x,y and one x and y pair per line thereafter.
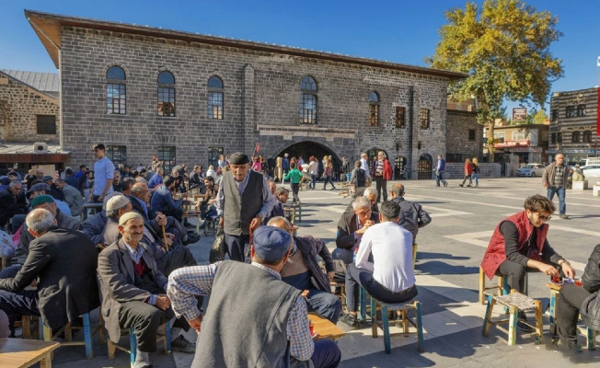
x,y
544,218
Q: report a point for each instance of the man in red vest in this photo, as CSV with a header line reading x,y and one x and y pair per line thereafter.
x,y
519,243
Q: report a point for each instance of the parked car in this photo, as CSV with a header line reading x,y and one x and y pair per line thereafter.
x,y
592,171
531,170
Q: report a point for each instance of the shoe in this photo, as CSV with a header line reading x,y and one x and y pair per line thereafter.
x,y
203,225
461,185
445,184
181,345
188,225
521,323
350,320
193,238
563,217
333,188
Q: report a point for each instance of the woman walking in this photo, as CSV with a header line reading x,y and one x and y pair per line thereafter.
x,y
313,170
327,173
475,175
468,172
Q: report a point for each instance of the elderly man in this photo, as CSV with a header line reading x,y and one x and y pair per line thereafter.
x,y
103,175
555,179
94,226
64,263
117,206
371,194
72,196
243,202
133,291
196,180
364,164
389,277
43,188
117,181
126,185
302,271
12,202
382,172
519,244
351,227
156,179
412,215
278,335
54,191
358,177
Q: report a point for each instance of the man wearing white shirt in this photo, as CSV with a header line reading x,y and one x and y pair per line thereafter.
x,y
389,278
364,164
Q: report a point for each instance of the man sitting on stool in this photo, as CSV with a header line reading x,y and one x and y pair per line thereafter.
x,y
351,227
389,278
519,244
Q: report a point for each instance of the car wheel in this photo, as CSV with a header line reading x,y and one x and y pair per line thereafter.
x,y
532,174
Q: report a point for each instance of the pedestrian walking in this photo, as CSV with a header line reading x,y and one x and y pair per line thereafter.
x,y
439,171
468,170
382,172
475,174
555,179
313,170
327,173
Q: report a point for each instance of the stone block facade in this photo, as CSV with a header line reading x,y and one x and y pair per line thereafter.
x,y
20,106
455,170
464,136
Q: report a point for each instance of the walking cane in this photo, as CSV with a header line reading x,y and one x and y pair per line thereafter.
x,y
165,238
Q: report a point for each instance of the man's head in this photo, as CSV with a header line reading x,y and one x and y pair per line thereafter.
x,y
39,173
126,185
286,155
13,176
15,187
380,155
397,190
68,172
38,189
141,191
282,223
271,247
362,208
293,165
197,169
48,180
282,194
209,182
60,183
116,177
344,159
371,194
46,202
389,211
82,168
357,164
39,221
99,150
169,182
560,159
117,206
539,209
240,164
364,155
272,185
439,157
131,228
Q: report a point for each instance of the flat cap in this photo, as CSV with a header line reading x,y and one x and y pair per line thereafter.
x,y
116,202
129,216
46,178
39,186
44,198
271,243
239,158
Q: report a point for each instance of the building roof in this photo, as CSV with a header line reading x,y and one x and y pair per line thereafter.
x,y
48,27
48,83
24,152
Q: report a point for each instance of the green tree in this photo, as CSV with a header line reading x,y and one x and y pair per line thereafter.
x,y
504,46
539,117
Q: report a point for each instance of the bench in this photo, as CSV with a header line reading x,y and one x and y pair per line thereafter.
x,y
25,353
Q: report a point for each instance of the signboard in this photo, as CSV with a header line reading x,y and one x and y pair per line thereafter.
x,y
511,144
519,113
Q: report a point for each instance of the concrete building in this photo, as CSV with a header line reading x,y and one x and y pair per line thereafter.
x,y
574,124
528,142
187,98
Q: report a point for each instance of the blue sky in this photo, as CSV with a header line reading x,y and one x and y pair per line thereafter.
x,y
398,31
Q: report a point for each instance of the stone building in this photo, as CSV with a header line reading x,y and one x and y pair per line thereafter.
x,y
187,97
574,124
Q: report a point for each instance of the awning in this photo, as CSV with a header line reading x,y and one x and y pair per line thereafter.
x,y
26,153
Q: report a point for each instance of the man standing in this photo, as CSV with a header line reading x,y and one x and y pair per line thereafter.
x,y
358,177
103,175
243,202
285,163
412,215
12,202
72,196
64,262
439,172
382,172
389,277
346,170
364,164
278,335
555,180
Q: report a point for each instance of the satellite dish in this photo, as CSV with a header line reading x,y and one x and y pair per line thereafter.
x,y
40,147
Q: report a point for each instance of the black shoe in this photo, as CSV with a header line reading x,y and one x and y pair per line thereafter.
x,y
522,323
350,320
460,185
203,225
193,238
183,346
188,225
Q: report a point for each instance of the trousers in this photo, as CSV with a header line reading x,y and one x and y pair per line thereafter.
x,y
326,354
16,305
439,177
569,302
237,246
381,183
145,320
562,206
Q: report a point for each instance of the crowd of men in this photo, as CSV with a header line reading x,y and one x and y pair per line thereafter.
x,y
131,258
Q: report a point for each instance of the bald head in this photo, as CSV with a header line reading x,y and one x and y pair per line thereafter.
x,y
280,222
398,189
39,221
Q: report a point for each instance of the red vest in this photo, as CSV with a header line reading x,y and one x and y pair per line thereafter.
x,y
495,253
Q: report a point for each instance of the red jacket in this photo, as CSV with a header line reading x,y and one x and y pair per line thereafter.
x,y
387,169
495,254
468,168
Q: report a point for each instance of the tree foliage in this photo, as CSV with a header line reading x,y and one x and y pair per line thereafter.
x,y
504,46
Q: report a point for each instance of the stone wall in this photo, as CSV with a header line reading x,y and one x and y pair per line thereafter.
x,y
455,170
458,125
261,101
19,107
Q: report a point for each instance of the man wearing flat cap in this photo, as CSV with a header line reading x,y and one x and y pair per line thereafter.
x,y
250,301
54,192
133,291
243,202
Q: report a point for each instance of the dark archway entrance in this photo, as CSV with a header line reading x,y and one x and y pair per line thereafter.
x,y
425,167
307,149
399,166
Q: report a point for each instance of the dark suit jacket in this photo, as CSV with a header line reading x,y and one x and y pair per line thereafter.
x,y
65,262
346,228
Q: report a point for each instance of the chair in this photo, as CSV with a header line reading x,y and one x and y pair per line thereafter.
x,y
88,333
516,302
164,336
502,287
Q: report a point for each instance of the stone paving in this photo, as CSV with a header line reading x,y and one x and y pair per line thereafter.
x,y
450,250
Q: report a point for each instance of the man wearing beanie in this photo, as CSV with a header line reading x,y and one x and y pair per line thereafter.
x,y
273,320
133,292
243,202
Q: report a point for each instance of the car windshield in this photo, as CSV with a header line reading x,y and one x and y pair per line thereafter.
x,y
528,166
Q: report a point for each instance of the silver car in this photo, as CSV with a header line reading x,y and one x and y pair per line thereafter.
x,y
531,170
592,171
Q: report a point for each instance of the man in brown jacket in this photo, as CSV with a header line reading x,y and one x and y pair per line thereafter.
x,y
555,179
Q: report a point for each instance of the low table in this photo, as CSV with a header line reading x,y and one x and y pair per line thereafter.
x,y
324,328
25,353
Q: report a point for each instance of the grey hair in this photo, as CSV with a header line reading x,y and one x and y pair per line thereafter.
x,y
281,190
278,219
39,220
14,183
139,179
361,202
115,212
369,191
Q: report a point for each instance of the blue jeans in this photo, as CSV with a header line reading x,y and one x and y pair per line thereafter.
x,y
314,181
326,354
439,177
476,178
327,179
348,176
562,206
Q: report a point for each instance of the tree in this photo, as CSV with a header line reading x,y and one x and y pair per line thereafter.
x,y
504,46
539,117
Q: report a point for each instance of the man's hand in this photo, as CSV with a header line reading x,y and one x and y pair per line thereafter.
x,y
221,222
547,269
568,270
195,323
163,302
101,198
91,196
331,274
161,219
545,185
255,223
305,294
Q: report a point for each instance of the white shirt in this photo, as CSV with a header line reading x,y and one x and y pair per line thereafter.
x,y
365,166
391,245
313,168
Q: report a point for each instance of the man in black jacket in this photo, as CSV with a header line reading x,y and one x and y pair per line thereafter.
x,y
351,227
12,202
412,215
65,262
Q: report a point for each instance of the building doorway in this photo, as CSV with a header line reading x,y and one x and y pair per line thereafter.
x,y
399,168
425,167
307,149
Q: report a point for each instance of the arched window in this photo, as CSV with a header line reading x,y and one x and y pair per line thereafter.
x,y
215,98
166,94
587,136
308,100
575,137
116,91
373,109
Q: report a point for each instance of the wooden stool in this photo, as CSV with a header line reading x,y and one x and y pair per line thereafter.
x,y
88,333
345,189
25,353
342,294
30,327
502,286
403,308
164,336
515,302
414,254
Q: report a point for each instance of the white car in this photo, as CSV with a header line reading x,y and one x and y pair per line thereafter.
x,y
592,171
531,170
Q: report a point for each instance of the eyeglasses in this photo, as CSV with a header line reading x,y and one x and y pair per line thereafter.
x,y
544,218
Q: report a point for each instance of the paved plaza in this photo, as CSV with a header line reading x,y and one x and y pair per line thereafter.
x,y
450,250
